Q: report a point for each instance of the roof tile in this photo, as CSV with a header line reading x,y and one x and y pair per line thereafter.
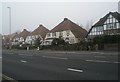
x,y
67,24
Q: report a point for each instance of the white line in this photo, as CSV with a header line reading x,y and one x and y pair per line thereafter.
x,y
100,56
116,62
62,52
23,61
95,52
76,70
0,57
54,57
25,55
101,61
8,78
97,61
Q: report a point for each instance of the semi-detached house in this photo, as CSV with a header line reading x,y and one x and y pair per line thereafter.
x,y
39,32
21,37
67,30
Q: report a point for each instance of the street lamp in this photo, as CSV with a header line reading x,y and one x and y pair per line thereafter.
x,y
10,23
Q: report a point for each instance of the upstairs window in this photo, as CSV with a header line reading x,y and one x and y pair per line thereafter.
x,y
68,33
54,34
60,33
48,34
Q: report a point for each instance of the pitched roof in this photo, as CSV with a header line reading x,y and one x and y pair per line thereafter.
x,y
24,33
41,30
16,35
116,15
102,20
7,37
67,24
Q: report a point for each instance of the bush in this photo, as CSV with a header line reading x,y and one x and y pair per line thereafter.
x,y
58,41
111,38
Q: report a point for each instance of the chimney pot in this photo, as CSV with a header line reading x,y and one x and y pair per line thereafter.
x,y
24,29
40,25
65,18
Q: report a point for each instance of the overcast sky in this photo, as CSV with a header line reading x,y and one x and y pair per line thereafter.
x,y
29,15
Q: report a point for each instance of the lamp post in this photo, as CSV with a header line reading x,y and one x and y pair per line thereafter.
x,y
10,23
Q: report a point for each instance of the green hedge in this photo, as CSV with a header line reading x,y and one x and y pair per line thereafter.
x,y
107,39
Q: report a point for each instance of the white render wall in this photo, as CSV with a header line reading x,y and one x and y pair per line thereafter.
x,y
72,38
64,34
31,39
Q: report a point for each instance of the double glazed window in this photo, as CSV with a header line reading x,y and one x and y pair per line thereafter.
x,y
67,32
60,33
97,30
111,23
48,35
54,34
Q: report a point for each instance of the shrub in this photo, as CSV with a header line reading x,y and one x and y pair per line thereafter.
x,y
58,41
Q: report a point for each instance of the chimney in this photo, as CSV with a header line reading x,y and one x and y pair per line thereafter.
x,y
24,29
65,19
40,25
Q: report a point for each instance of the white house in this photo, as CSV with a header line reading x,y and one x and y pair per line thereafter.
x,y
20,38
8,39
67,30
40,32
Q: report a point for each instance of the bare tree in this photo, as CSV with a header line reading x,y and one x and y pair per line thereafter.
x,y
89,24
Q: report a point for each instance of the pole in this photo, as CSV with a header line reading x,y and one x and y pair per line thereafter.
x,y
10,23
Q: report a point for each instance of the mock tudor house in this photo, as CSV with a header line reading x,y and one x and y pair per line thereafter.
x,y
39,32
21,37
107,25
68,31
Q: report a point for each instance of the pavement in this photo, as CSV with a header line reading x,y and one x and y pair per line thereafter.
x,y
60,65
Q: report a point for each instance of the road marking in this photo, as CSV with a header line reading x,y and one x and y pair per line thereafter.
x,y
23,61
54,57
25,55
10,53
101,61
97,61
8,78
116,62
62,52
76,70
0,57
22,54
100,56
95,52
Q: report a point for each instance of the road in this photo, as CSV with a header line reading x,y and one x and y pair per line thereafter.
x,y
60,65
